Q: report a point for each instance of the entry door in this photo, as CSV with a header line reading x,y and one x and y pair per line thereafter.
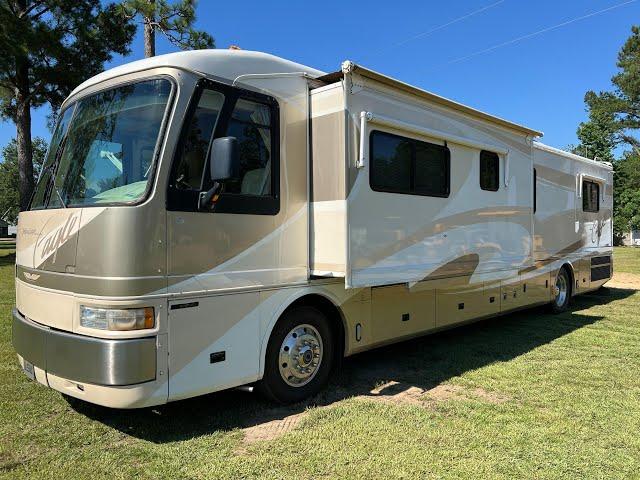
x,y
252,237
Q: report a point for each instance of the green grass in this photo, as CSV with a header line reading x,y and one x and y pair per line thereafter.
x,y
626,259
538,396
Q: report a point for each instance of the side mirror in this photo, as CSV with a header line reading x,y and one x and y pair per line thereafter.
x,y
223,158
223,161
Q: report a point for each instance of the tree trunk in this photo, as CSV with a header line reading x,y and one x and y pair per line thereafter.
x,y
25,150
23,125
149,34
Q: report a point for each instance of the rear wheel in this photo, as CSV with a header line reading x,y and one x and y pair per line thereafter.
x,y
299,356
562,291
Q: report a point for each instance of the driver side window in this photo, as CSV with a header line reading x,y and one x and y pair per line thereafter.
x,y
192,160
253,120
251,124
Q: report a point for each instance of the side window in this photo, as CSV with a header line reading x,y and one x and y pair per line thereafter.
x,y
409,166
253,119
590,196
250,123
390,163
195,143
489,171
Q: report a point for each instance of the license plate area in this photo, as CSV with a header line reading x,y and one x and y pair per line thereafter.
x,y
27,368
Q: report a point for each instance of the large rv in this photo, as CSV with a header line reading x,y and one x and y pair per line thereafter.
x,y
211,219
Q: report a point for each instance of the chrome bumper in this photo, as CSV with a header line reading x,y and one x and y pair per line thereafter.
x,y
84,359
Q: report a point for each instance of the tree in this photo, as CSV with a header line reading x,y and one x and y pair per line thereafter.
x,y
614,119
174,20
10,176
48,47
623,103
626,200
598,135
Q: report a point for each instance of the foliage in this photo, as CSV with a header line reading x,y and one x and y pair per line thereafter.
x,y
9,177
174,20
48,47
614,119
623,103
62,41
626,203
598,135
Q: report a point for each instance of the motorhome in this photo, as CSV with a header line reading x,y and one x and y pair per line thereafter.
x,y
212,219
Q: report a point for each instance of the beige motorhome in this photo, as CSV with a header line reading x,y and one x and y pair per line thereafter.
x,y
211,219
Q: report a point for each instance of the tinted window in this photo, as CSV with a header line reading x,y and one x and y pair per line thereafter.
x,y
590,196
390,162
251,124
253,120
196,141
405,165
489,171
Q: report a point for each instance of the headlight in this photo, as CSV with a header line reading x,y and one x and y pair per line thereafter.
x,y
117,319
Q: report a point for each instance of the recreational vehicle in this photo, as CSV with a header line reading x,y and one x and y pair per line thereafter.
x,y
211,219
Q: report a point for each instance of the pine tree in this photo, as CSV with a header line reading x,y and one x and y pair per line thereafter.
x,y
173,20
47,48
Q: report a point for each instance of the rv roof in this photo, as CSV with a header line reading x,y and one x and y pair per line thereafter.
x,y
573,156
227,64
349,67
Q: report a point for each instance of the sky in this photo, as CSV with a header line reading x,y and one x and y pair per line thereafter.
x,y
477,52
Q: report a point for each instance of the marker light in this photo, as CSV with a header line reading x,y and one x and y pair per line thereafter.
x,y
117,319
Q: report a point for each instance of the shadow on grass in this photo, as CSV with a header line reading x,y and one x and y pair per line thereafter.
x,y
5,259
424,363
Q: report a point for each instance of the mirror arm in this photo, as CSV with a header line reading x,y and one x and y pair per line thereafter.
x,y
207,200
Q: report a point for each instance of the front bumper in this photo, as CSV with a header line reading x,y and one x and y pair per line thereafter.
x,y
84,359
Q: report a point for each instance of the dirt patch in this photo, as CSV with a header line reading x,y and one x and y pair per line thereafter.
x,y
271,430
455,392
398,393
629,281
393,392
8,463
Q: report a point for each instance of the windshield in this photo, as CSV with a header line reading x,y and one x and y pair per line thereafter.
x,y
103,147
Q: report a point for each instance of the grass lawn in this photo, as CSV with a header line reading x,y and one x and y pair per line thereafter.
x,y
527,395
627,259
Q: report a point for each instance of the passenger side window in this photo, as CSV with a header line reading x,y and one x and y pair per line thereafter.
x,y
489,171
590,196
409,166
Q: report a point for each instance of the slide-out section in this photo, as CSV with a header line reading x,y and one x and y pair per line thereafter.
x,y
328,256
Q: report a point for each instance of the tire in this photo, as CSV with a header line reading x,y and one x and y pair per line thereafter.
x,y
563,289
301,337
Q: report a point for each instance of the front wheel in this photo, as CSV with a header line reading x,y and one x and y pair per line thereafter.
x,y
299,356
562,292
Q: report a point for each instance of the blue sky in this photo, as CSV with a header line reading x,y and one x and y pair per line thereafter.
x,y
539,81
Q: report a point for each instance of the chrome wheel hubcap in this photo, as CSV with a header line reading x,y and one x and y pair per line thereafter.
x,y
300,355
561,290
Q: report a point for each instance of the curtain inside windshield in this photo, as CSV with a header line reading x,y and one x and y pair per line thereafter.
x,y
107,153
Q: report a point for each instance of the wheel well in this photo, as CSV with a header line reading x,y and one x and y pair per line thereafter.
x,y
572,278
332,313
